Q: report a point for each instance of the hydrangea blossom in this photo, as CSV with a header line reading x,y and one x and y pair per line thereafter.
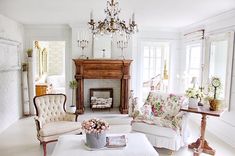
x,y
95,126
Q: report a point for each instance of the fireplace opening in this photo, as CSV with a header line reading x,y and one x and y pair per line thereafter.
x,y
101,98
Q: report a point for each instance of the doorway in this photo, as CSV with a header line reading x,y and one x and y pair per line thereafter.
x,y
49,67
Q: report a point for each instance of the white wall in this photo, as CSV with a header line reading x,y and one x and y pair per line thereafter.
x,y
10,81
52,33
224,126
76,51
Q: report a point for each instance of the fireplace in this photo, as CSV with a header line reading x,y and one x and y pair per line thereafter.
x,y
102,69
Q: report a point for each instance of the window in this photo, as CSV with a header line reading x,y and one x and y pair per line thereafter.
x,y
155,57
219,58
155,64
193,63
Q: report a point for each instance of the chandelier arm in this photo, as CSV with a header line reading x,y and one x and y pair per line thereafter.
x,y
112,23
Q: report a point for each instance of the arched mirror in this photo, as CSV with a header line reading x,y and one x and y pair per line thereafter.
x,y
41,58
219,62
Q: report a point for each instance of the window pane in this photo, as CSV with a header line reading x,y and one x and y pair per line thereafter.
x,y
146,63
152,62
146,51
195,57
158,66
152,52
146,75
158,51
194,73
151,73
193,64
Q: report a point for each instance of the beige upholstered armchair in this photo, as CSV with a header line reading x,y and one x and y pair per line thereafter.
x,y
52,119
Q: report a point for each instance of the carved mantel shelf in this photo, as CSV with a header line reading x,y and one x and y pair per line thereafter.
x,y
102,69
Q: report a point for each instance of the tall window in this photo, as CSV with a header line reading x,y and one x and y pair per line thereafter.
x,y
193,63
155,67
155,57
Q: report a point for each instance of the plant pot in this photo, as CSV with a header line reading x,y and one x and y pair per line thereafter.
x,y
24,67
215,104
96,140
72,109
193,103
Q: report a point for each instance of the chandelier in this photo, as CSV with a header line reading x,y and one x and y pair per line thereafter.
x,y
112,24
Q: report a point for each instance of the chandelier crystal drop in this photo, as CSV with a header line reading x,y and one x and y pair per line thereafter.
x,y
112,24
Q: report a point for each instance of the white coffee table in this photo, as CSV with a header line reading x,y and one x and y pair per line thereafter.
x,y
73,145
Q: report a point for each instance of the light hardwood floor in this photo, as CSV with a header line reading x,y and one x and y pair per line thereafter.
x,y
20,138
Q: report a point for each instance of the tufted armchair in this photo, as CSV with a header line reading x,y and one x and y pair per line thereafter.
x,y
52,120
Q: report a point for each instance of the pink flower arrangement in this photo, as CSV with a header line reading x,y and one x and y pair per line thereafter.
x,y
95,126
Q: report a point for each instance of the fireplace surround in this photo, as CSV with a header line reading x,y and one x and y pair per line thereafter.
x,y
102,69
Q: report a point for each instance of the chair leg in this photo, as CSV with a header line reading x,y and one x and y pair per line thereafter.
x,y
44,148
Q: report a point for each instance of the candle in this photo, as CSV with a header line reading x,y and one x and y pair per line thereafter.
x,y
91,15
78,36
133,17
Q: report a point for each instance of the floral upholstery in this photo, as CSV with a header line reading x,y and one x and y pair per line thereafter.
x,y
162,110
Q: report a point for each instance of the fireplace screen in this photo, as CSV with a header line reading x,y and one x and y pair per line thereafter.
x,y
101,98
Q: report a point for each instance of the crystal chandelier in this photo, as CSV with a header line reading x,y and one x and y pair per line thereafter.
x,y
112,24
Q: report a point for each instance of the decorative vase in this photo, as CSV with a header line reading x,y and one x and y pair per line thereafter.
x,y
72,109
96,140
215,104
193,102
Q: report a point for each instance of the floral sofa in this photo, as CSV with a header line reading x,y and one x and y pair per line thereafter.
x,y
162,121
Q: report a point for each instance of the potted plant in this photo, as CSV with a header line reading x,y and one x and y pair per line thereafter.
x,y
30,52
214,90
95,130
73,85
194,96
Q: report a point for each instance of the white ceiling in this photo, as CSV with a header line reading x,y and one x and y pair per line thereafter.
x,y
149,13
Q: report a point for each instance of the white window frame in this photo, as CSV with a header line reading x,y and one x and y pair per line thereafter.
x,y
140,60
163,57
188,60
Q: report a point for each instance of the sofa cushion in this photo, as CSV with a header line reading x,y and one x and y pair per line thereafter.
x,y
154,130
162,109
60,127
164,105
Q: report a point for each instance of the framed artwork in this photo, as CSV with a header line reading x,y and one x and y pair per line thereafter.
x,y
9,55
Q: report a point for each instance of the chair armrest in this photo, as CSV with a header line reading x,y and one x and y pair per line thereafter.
x,y
71,117
38,122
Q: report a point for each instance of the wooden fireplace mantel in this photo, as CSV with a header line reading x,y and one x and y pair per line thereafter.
x,y
102,69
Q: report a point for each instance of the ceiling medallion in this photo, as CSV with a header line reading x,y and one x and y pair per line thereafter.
x,y
112,24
